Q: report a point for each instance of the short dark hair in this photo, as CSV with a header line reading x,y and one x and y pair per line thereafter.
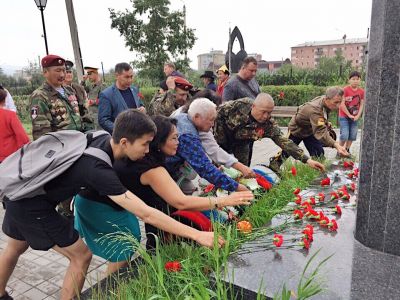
x,y
132,124
119,68
164,128
249,60
3,96
354,74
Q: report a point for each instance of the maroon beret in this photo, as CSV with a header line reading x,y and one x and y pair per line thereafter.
x,y
52,61
183,84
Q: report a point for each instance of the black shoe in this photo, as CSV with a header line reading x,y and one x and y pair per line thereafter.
x,y
6,296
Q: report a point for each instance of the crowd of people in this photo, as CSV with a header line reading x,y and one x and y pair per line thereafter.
x,y
155,154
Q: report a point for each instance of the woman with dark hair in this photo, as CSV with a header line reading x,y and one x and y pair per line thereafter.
x,y
149,179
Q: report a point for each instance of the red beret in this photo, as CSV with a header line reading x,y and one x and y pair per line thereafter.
x,y
183,84
52,61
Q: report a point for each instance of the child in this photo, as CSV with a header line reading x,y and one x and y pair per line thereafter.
x,y
351,110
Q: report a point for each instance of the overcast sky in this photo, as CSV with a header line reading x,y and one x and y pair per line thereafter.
x,y
269,27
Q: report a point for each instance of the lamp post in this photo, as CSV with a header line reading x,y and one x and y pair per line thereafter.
x,y
41,4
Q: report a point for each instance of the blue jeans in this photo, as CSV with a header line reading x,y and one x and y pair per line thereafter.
x,y
314,146
348,129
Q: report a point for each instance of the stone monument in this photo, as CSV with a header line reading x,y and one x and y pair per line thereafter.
x,y
378,210
235,59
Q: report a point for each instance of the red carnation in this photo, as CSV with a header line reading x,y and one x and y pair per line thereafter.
x,y
350,175
355,172
281,95
297,191
325,181
334,196
298,199
346,197
308,235
338,210
309,228
323,222
298,214
348,164
312,214
305,243
294,171
332,225
173,266
277,240
209,188
321,197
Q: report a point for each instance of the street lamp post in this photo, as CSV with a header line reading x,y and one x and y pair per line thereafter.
x,y
41,4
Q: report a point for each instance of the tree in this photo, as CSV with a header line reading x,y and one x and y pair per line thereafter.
x,y
156,33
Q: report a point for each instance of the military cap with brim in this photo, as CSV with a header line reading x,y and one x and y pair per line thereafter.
x,y
183,84
52,61
90,69
68,65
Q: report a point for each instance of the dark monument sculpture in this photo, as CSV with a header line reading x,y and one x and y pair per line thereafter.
x,y
235,59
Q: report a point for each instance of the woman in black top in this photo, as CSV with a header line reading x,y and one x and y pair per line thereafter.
x,y
149,179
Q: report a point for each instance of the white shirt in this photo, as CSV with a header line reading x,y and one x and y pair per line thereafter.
x,y
10,102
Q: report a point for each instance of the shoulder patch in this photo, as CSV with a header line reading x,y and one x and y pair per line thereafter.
x,y
34,111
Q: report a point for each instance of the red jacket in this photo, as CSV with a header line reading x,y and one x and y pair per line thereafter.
x,y
12,134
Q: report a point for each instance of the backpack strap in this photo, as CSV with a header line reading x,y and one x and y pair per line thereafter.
x,y
98,153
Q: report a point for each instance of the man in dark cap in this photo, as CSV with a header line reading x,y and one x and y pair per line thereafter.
x,y
93,87
69,83
52,106
176,96
208,79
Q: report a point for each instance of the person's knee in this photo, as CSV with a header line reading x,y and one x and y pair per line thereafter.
x,y
82,257
16,247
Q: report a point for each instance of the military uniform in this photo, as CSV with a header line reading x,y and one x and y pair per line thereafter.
x,y
50,111
163,104
236,129
311,119
92,103
309,125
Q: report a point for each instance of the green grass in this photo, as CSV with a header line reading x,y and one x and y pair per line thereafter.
x,y
193,281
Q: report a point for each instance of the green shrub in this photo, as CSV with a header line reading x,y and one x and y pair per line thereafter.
x,y
293,95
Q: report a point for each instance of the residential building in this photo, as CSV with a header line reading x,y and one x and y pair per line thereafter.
x,y
308,54
210,61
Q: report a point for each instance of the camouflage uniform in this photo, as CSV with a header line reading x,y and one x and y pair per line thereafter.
x,y
235,129
92,103
163,104
312,119
50,111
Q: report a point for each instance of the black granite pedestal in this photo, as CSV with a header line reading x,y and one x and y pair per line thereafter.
x,y
378,213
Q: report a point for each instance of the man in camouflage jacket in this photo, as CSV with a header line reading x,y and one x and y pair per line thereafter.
x,y
166,102
243,121
53,107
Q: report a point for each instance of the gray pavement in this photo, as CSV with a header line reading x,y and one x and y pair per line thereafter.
x,y
39,274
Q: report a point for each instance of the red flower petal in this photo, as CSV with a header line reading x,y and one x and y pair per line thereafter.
x,y
298,214
294,171
338,210
277,240
297,191
325,181
173,266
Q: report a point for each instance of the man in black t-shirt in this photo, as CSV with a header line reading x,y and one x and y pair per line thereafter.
x,y
34,222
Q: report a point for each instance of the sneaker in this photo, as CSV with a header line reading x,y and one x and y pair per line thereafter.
x,y
6,296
